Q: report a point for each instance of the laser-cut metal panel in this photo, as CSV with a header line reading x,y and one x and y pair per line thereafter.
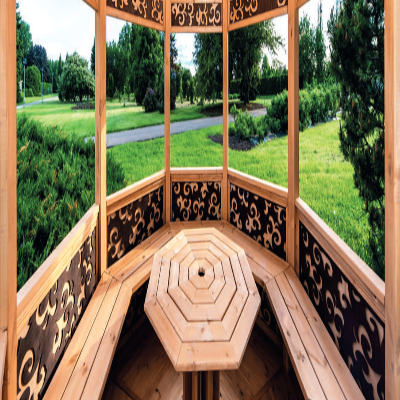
x,y
196,201
196,14
244,9
152,10
134,223
355,328
261,219
43,341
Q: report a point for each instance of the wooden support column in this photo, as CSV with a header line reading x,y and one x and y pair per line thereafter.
x,y
8,197
101,132
225,109
167,110
293,134
392,199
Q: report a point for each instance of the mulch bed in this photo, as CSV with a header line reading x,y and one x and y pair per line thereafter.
x,y
84,106
235,143
216,109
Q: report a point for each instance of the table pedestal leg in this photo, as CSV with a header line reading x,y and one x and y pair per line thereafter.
x,y
201,385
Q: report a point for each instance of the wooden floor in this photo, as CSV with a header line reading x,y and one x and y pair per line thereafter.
x,y
141,370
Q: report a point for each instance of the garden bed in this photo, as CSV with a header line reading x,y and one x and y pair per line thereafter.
x,y
235,143
216,109
84,106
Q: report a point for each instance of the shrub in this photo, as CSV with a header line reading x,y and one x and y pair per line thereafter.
x,y
28,93
246,125
150,100
33,79
55,187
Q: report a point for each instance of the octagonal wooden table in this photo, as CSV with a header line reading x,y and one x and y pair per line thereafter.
x,y
202,302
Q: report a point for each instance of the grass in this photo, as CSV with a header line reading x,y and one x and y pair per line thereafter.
x,y
326,182
119,118
29,100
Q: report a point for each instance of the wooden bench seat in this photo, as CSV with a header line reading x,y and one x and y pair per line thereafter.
x,y
83,370
319,367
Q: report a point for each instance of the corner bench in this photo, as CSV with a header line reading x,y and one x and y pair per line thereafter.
x,y
320,369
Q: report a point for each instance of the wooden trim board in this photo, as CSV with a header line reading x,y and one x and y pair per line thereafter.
x,y
196,174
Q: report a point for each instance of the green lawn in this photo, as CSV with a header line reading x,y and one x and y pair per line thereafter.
x,y
29,100
326,182
119,118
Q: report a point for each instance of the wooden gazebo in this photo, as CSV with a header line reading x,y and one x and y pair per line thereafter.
x,y
204,235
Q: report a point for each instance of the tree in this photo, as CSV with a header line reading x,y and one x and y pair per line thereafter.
x,y
173,51
320,55
147,63
19,54
33,79
76,80
25,37
110,86
37,55
266,70
356,34
186,78
306,50
117,65
93,58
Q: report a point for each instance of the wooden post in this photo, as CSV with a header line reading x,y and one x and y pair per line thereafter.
x,y
225,109
8,194
392,199
101,132
293,133
167,110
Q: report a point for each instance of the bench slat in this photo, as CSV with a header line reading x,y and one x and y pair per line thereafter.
x,y
308,381
317,358
339,368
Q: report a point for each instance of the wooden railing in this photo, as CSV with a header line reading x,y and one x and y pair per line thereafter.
x,y
32,293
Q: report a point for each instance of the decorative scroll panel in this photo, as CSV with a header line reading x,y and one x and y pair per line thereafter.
x,y
243,9
134,223
152,10
261,219
357,331
135,310
196,201
265,313
42,342
196,14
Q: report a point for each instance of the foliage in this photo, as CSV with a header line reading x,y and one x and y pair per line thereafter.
x,y
174,79
29,93
25,36
150,100
266,70
33,80
93,58
117,65
110,86
76,81
246,126
55,188
37,55
19,53
147,61
247,46
186,80
273,84
356,34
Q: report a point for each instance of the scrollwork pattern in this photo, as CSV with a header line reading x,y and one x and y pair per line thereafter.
x,y
261,219
196,14
196,201
357,331
43,341
139,8
134,223
243,9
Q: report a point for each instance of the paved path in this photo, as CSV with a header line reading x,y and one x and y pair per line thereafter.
x,y
152,132
36,103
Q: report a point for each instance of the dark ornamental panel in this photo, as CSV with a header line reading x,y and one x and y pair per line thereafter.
x,y
357,331
147,9
196,201
196,14
265,313
243,9
43,341
261,219
134,223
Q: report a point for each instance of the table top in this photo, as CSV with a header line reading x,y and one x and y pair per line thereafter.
x,y
202,300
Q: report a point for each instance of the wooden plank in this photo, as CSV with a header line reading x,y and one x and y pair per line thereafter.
x,y
293,134
308,381
122,15
3,351
196,174
167,111
133,192
151,296
216,385
73,351
225,110
98,374
234,312
251,285
323,371
267,190
173,314
187,386
207,380
8,192
206,331
371,287
195,386
92,3
140,276
181,300
336,362
100,134
392,199
32,293
259,18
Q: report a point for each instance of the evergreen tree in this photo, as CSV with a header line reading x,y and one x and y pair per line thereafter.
x,y
37,55
25,37
93,57
266,70
356,33
19,56
306,50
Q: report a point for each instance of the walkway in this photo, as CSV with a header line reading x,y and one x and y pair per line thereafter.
x,y
157,131
35,103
